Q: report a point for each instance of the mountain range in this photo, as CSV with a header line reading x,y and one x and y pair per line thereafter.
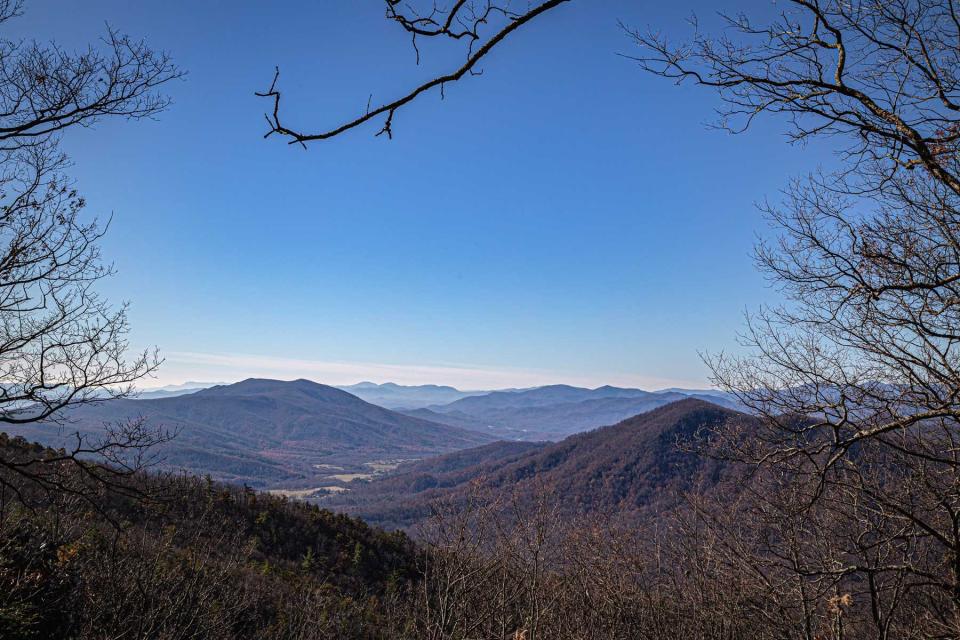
x,y
311,439
174,390
396,396
549,412
556,411
269,433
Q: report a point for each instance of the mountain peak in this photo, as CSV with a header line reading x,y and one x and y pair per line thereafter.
x,y
265,431
281,388
633,467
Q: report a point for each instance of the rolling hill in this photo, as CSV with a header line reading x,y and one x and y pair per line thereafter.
x,y
269,433
629,468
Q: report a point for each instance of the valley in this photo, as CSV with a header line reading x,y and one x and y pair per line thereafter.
x,y
632,468
299,435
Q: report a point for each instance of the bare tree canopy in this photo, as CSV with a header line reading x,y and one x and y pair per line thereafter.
x,y
466,21
868,257
882,75
61,343
857,373
44,89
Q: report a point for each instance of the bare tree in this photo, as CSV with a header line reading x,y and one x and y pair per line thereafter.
x,y
45,89
463,21
858,374
61,343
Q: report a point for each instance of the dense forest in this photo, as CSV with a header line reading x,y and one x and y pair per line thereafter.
x,y
181,556
88,555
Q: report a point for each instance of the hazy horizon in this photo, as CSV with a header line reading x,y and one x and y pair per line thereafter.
x,y
345,374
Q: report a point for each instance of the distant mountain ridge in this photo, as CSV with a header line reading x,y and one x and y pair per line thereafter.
x,y
268,432
173,390
395,396
549,412
538,396
556,411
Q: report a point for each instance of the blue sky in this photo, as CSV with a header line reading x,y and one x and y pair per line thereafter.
x,y
562,218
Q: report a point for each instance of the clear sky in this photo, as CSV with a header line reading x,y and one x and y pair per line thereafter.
x,y
562,218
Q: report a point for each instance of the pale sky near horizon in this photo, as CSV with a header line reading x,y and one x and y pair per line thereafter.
x,y
562,218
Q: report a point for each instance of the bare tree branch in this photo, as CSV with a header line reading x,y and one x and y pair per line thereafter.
x,y
463,21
